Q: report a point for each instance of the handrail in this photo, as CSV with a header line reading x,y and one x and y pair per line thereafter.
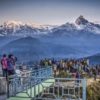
x,y
40,78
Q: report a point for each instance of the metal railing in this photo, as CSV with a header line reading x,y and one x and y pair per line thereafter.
x,y
61,89
17,84
40,85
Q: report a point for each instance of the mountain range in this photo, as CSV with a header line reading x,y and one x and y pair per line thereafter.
x,y
30,42
16,28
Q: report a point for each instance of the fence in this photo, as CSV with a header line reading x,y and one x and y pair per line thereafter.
x,y
18,84
40,85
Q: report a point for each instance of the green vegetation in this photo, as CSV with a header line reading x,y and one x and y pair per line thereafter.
x,y
62,74
93,91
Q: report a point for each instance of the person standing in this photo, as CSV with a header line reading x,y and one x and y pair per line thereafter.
x,y
4,65
55,69
11,64
77,77
14,59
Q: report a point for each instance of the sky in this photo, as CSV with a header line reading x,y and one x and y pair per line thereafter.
x,y
49,11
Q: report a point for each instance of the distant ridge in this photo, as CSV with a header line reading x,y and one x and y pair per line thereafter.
x,y
94,59
17,28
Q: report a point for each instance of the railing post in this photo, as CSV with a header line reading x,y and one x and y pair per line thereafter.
x,y
84,89
30,87
7,87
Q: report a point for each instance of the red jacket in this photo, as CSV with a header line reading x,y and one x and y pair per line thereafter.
x,y
4,62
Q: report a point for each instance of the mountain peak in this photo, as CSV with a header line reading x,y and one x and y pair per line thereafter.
x,y
12,22
81,20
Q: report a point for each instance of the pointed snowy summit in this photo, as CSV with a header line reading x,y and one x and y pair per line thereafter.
x,y
81,20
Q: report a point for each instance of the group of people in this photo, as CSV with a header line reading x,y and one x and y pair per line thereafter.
x,y
77,66
8,63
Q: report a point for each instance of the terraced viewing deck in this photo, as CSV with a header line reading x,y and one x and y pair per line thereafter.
x,y
41,85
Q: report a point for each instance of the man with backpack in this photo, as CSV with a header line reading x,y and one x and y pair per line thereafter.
x,y
4,63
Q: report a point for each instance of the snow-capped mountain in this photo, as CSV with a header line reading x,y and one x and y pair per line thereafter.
x,y
81,21
79,39
80,27
84,24
17,28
